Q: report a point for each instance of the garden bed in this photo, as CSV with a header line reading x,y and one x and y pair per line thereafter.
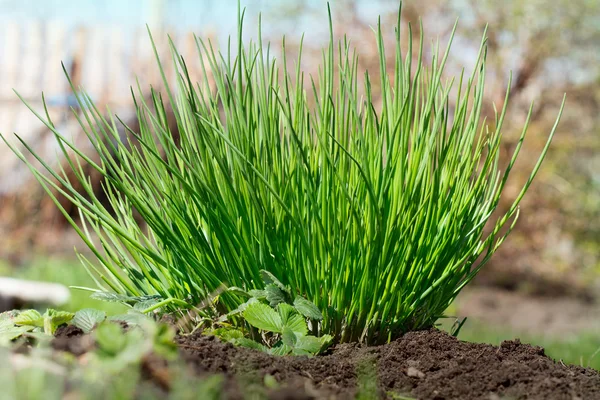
x,y
281,218
424,365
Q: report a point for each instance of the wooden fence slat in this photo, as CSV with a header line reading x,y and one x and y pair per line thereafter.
x,y
55,52
104,59
118,64
30,63
95,74
10,57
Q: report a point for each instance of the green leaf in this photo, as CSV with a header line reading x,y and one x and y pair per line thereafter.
x,y
132,318
42,339
86,319
9,315
263,317
249,343
29,317
258,294
226,334
309,344
285,311
297,324
144,304
288,337
58,317
290,318
110,338
238,310
281,350
301,352
111,297
164,344
307,308
268,278
274,295
9,332
53,319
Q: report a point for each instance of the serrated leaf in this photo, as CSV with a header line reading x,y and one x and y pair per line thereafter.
x,y
58,317
297,323
86,319
301,352
53,319
309,344
144,304
132,318
29,317
258,294
290,318
285,311
288,337
282,350
226,334
9,332
249,343
269,278
274,295
238,310
111,297
307,308
148,297
263,317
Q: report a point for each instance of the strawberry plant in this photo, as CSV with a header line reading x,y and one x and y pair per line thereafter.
x,y
282,321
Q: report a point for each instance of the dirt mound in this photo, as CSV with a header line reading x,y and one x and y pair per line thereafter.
x,y
425,365
421,365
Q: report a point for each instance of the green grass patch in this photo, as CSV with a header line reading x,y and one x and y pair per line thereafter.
x,y
371,205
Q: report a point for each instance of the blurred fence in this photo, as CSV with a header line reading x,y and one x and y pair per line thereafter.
x,y
104,60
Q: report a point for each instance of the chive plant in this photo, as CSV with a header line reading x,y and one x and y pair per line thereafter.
x,y
374,213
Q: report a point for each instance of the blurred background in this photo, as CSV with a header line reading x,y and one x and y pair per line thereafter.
x,y
543,285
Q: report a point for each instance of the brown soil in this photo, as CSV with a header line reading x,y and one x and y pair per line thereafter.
x,y
70,338
422,365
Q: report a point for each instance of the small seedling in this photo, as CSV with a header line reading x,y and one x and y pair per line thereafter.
x,y
8,330
87,319
49,321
